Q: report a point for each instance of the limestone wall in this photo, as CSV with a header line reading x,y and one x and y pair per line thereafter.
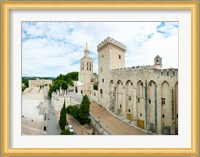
x,y
34,83
99,126
147,97
57,100
93,94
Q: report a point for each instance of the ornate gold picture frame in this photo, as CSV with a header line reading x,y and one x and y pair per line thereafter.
x,y
7,7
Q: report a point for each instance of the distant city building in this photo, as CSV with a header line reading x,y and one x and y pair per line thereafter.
x,y
35,83
146,96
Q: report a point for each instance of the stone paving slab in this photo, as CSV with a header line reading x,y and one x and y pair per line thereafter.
x,y
32,127
33,124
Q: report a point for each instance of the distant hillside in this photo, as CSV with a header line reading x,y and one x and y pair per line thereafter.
x,y
35,78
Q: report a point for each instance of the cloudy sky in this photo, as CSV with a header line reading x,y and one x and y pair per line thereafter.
x,y
53,48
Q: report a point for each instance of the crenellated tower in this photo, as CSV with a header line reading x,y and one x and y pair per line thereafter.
x,y
111,55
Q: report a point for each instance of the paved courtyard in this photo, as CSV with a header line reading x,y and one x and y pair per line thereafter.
x,y
112,123
33,108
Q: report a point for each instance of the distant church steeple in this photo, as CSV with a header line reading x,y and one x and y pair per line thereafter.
x,y
86,50
86,45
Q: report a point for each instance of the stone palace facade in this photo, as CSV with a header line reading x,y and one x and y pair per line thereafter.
x,y
145,96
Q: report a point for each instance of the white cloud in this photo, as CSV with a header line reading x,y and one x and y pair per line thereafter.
x,y
51,48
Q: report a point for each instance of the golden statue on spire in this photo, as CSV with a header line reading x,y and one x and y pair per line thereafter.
x,y
86,46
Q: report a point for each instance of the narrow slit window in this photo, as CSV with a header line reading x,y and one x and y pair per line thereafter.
x,y
149,101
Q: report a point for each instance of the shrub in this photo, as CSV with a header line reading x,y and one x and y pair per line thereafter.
x,y
68,109
23,88
80,113
74,111
84,110
65,132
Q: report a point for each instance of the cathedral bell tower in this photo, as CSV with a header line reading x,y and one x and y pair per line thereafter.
x,y
86,70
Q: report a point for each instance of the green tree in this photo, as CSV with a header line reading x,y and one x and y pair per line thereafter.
x,y
62,121
65,132
23,88
74,111
72,76
84,110
25,81
56,86
63,81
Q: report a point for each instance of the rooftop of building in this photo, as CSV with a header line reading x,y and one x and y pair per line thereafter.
x,y
87,58
112,41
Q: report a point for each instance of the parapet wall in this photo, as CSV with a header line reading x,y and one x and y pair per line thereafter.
x,y
146,70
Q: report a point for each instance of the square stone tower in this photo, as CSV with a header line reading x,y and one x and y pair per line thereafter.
x,y
111,55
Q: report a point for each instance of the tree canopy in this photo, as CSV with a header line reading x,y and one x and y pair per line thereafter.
x,y
81,113
65,132
63,81
84,110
